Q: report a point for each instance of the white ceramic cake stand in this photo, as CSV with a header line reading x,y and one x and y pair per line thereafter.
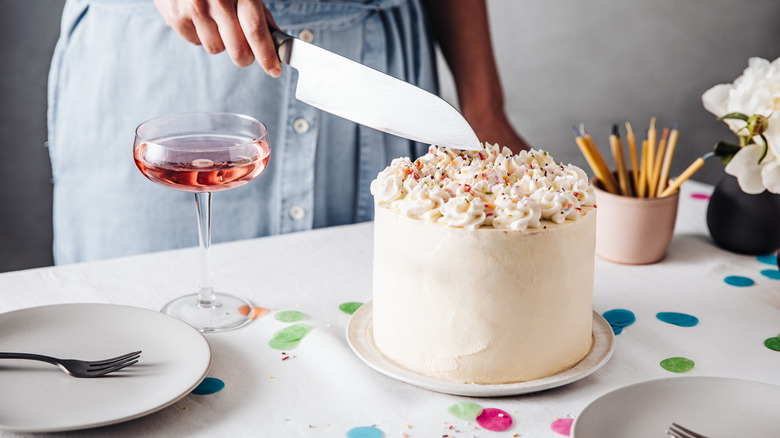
x,y
361,340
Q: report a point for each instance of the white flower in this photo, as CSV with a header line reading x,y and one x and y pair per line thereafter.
x,y
757,91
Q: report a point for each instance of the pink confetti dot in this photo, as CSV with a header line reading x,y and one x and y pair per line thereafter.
x,y
562,426
702,196
494,419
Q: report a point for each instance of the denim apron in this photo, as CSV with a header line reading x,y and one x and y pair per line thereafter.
x,y
117,64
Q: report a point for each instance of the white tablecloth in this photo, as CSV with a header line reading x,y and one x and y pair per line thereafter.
x,y
325,390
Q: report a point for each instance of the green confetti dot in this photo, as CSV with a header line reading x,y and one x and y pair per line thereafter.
x,y
289,316
677,364
350,307
465,410
773,343
289,337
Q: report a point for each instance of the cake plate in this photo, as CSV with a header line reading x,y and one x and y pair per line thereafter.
x,y
360,335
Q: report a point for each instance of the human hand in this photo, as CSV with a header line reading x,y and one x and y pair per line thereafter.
x,y
242,27
495,127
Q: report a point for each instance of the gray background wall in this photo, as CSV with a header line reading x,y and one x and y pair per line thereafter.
x,y
562,62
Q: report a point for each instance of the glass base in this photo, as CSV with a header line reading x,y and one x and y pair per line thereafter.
x,y
226,313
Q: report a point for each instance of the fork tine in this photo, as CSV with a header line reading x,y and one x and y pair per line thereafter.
x,y
93,367
115,359
687,432
111,369
675,432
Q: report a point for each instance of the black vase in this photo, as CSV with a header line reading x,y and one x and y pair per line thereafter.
x,y
744,223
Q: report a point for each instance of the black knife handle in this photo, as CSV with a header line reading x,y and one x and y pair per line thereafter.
x,y
283,44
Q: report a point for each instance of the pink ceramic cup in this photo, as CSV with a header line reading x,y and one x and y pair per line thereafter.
x,y
633,231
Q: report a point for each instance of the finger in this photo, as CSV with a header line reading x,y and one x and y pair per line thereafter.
x,y
177,21
254,18
205,27
225,15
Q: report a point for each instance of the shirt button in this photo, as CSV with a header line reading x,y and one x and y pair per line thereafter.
x,y
300,125
297,212
306,35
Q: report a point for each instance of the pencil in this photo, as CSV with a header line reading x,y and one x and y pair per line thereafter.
x,y
651,137
657,162
632,154
609,179
664,177
600,171
642,188
687,173
620,161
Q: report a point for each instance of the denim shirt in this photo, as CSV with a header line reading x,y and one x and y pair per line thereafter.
x,y
117,64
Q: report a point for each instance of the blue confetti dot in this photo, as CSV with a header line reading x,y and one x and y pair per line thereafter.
x,y
365,432
739,281
774,274
679,319
768,259
619,318
209,385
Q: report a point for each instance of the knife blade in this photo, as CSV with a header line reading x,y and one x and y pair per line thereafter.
x,y
369,97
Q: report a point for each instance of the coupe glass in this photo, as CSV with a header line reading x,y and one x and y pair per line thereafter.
x,y
203,153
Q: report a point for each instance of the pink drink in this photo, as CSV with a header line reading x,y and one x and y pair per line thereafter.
x,y
202,163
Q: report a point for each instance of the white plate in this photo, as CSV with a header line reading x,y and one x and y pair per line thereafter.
x,y
360,336
711,406
38,397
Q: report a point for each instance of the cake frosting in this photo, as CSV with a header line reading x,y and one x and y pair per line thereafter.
x,y
483,264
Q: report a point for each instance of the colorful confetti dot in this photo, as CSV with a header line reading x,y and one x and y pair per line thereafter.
x,y
257,312
700,196
677,364
494,419
365,432
679,319
289,316
619,318
770,259
209,385
350,307
773,343
468,411
289,337
738,281
774,274
562,426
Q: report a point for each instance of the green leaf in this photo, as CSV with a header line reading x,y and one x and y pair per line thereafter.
x,y
765,147
736,116
726,151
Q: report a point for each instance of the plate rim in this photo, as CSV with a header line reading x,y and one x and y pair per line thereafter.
x,y
664,380
602,349
122,418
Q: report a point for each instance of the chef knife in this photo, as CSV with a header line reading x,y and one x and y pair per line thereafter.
x,y
369,97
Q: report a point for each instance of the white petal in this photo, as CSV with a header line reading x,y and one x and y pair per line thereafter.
x,y
745,167
715,99
770,174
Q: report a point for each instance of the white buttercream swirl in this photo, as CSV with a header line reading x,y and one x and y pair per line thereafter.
x,y
492,187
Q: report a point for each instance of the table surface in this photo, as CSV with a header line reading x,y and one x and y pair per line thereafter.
x,y
324,389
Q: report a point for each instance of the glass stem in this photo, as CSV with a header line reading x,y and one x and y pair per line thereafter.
x,y
206,297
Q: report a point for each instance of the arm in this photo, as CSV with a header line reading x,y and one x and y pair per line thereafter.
x,y
462,31
242,27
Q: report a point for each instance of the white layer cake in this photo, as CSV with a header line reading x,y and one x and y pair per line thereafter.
x,y
483,265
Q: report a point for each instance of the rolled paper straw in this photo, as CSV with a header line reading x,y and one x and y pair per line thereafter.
x,y
632,154
687,173
664,177
657,162
620,162
641,189
651,137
